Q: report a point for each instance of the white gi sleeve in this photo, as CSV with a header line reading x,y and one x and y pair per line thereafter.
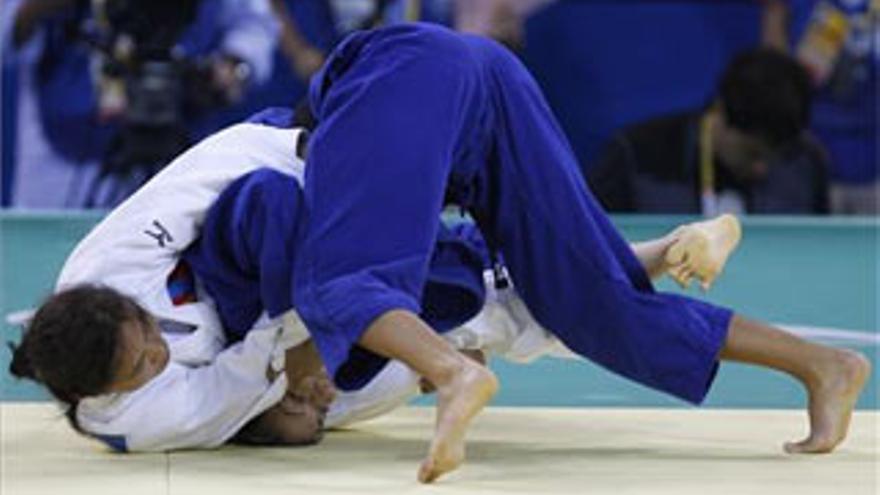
x,y
393,387
139,243
193,407
506,328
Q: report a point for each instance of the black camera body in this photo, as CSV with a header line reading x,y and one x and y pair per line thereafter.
x,y
147,86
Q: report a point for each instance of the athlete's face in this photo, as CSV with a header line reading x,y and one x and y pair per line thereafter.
x,y
141,354
747,156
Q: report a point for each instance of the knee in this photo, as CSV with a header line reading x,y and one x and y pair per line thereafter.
x,y
441,46
439,39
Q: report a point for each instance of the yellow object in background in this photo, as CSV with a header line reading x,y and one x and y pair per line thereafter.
x,y
823,41
413,10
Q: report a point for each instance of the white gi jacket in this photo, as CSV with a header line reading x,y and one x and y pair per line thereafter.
x,y
207,392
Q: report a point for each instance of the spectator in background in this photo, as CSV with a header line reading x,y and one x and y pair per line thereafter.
x,y
65,127
840,47
310,28
501,20
745,153
352,15
303,57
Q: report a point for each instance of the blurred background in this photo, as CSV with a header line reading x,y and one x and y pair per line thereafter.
x,y
98,95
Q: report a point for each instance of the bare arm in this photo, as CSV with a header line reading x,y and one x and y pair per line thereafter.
x,y
31,13
306,376
304,58
774,24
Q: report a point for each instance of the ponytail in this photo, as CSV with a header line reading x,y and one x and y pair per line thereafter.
x,y
20,366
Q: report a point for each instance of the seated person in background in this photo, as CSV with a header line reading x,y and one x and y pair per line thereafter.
x,y
502,20
746,153
845,77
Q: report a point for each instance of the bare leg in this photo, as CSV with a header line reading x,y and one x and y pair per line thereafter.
x,y
833,377
464,386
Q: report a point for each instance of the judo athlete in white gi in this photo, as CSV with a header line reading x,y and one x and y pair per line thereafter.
x,y
411,118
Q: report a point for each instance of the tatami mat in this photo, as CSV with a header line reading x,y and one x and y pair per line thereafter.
x,y
512,451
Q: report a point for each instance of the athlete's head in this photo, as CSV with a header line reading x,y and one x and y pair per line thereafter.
x,y
764,103
89,341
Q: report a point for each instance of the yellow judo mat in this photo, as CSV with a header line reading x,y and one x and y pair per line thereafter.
x,y
511,451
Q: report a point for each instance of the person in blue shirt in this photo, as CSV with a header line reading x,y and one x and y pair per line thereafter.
x,y
414,118
66,125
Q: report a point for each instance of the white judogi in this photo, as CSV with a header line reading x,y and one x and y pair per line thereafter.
x,y
209,391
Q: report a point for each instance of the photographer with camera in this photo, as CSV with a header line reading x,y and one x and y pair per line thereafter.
x,y
109,90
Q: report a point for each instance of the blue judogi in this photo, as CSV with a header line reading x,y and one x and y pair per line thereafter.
x,y
412,118
252,234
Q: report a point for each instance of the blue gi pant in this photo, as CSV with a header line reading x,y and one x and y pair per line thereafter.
x,y
414,117
250,238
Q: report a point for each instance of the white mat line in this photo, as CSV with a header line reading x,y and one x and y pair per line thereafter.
x,y
837,335
21,317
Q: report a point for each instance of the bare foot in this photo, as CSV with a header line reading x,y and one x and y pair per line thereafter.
x,y
831,403
426,387
701,249
457,403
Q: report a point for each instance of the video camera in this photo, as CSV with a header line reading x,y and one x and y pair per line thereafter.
x,y
146,84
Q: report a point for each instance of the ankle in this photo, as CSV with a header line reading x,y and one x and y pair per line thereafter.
x,y
445,370
834,365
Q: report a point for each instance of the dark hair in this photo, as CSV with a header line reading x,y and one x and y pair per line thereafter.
x,y
70,346
766,93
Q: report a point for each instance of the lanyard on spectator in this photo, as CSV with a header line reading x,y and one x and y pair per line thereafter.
x,y
708,198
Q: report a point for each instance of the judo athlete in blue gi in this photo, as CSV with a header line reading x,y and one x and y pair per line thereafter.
x,y
249,242
414,118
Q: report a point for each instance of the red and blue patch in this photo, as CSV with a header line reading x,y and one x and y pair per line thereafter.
x,y
182,284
